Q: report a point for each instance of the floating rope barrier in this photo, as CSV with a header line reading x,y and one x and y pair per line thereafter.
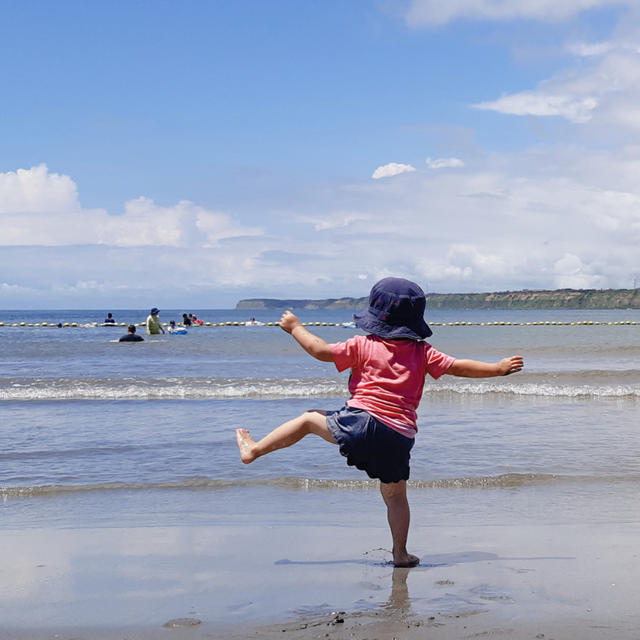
x,y
237,323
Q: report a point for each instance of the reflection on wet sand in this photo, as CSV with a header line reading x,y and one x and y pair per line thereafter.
x,y
227,580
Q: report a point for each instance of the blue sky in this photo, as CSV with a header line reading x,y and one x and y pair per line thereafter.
x,y
195,153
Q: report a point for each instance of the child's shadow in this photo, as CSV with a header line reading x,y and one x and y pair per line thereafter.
x,y
434,560
426,562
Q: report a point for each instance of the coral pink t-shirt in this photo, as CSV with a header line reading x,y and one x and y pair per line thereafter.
x,y
387,377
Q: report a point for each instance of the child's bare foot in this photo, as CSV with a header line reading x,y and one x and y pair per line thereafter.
x,y
245,444
406,560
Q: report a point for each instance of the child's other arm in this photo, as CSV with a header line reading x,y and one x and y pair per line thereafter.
x,y
477,369
313,345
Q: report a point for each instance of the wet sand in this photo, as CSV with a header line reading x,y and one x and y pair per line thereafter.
x,y
309,581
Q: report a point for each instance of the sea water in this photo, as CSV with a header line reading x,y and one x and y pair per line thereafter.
x,y
81,413
100,434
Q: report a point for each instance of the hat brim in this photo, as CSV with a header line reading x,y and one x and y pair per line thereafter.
x,y
371,324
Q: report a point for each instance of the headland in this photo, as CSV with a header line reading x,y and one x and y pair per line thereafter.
x,y
525,299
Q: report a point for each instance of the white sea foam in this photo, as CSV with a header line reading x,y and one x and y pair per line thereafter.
x,y
504,481
569,385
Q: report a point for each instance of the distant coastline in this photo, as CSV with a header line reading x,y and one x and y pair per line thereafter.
x,y
525,299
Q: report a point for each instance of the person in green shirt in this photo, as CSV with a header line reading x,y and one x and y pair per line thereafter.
x,y
153,322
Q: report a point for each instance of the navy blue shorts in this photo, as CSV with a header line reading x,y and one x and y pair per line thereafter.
x,y
370,445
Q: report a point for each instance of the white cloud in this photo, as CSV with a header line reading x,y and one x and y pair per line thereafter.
x,y
444,163
529,103
12,289
572,273
36,190
589,49
550,218
391,169
508,226
334,220
512,224
42,208
435,12
602,90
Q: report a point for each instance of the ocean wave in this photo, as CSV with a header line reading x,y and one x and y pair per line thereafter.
x,y
503,481
168,389
568,385
542,390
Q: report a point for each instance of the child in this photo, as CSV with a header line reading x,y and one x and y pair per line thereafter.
x,y
375,430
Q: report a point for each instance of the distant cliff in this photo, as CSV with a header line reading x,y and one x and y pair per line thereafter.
x,y
526,299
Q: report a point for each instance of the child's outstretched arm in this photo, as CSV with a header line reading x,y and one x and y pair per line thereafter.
x,y
477,369
313,345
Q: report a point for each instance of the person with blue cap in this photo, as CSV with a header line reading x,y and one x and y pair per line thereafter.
x,y
153,322
376,428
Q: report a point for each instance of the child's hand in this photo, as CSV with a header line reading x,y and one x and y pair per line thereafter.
x,y
510,365
289,321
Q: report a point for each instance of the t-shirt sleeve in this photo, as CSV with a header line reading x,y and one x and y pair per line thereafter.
x,y
345,354
437,362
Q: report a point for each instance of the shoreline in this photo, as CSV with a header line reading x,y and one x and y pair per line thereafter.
x,y
314,581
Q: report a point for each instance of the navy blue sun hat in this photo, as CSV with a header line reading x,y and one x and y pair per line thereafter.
x,y
155,311
396,310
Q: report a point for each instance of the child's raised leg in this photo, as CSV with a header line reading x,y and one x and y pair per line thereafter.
x,y
284,436
398,515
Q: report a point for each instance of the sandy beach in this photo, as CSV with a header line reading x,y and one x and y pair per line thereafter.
x,y
244,581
